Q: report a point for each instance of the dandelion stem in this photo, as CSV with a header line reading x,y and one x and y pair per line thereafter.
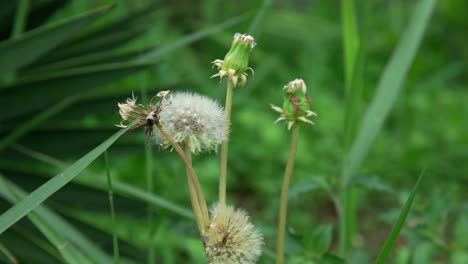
x,y
192,191
115,241
284,196
204,219
224,146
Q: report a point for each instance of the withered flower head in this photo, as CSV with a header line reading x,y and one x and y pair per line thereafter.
x,y
138,115
231,238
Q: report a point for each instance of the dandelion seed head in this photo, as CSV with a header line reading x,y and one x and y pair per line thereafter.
x,y
231,238
193,120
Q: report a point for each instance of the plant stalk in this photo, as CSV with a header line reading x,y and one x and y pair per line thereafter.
x,y
204,219
225,145
192,191
110,192
284,196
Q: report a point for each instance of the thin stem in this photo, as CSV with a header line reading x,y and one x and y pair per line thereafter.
x,y
151,254
193,175
225,145
115,241
20,18
284,196
192,191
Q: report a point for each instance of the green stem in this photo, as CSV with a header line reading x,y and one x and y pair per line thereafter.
x,y
284,196
225,145
151,254
20,18
193,194
115,241
192,174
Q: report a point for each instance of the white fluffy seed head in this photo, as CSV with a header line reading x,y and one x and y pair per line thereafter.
x,y
193,120
231,238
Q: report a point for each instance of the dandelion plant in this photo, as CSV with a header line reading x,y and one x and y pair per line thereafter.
x,y
295,110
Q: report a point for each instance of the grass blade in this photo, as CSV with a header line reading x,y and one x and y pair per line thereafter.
x,y
121,188
45,89
192,38
354,60
388,87
18,52
8,255
68,251
39,195
20,18
392,237
35,121
350,39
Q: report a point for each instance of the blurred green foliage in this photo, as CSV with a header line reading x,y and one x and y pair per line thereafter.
x,y
61,101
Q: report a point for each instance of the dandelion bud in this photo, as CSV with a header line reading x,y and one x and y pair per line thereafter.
x,y
231,238
296,104
193,120
236,61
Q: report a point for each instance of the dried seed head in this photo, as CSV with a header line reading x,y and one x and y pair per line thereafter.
x,y
193,120
296,104
231,238
139,115
235,64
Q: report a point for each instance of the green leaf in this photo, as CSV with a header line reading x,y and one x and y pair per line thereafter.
x,y
389,86
38,196
319,240
18,52
307,185
350,39
7,255
45,89
158,52
392,237
35,121
62,235
371,182
330,258
97,181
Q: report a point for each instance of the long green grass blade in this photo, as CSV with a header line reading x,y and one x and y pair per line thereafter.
x,y
158,52
8,254
69,232
46,89
17,52
35,121
390,84
38,196
96,181
354,60
253,28
20,18
392,237
52,226
350,39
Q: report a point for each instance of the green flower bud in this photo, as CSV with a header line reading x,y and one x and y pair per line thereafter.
x,y
296,104
236,62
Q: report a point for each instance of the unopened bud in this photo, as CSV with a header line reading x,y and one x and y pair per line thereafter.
x,y
296,104
236,62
